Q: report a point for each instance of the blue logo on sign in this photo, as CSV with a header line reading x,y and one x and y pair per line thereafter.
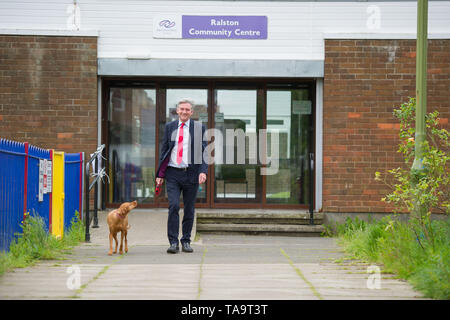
x,y
167,24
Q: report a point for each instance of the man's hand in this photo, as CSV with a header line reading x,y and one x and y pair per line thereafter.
x,y
201,178
159,180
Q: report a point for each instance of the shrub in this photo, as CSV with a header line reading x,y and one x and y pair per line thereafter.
x,y
420,192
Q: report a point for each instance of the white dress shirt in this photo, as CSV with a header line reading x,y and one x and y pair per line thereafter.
x,y
173,155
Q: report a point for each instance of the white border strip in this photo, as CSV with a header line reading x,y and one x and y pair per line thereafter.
x,y
99,111
387,36
319,144
99,132
44,32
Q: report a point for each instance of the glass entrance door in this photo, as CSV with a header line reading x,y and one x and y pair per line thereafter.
x,y
289,115
200,99
135,115
131,145
236,173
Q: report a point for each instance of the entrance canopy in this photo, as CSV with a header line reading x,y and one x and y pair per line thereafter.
x,y
145,66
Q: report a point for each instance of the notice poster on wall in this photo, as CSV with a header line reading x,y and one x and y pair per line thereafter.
x,y
41,180
301,107
45,181
218,117
49,176
203,117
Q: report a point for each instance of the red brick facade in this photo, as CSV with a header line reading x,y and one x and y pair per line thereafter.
x,y
48,97
48,91
364,81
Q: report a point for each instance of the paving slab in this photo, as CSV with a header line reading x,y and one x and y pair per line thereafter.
x,y
222,267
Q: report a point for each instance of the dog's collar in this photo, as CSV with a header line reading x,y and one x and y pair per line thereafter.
x,y
121,217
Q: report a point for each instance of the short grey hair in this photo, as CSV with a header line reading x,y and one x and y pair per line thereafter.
x,y
186,100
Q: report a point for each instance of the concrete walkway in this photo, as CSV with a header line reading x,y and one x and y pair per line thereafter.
x,y
222,267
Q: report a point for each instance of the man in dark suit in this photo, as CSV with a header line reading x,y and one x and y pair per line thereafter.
x,y
182,165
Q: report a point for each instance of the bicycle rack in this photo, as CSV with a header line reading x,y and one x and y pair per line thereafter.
x,y
97,174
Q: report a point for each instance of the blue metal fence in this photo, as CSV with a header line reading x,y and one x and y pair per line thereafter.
x,y
73,168
41,208
12,184
19,188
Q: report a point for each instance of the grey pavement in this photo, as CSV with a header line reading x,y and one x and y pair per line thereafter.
x,y
222,267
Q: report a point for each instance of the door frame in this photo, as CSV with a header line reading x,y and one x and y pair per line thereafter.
x,y
162,83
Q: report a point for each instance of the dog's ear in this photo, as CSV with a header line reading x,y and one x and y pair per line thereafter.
x,y
123,209
131,205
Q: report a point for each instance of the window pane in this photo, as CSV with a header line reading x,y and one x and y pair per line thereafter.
x,y
198,96
236,179
131,117
289,115
200,99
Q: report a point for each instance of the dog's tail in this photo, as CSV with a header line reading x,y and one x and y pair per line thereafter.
x,y
128,227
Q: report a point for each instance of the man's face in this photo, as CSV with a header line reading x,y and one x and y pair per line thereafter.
x,y
184,111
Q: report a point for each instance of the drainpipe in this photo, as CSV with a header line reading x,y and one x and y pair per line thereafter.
x,y
421,81
421,98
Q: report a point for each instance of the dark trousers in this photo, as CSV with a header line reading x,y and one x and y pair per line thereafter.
x,y
177,182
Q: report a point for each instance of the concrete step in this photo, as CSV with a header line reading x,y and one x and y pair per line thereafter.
x,y
275,229
244,216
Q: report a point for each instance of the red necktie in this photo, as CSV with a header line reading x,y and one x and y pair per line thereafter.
x,y
180,145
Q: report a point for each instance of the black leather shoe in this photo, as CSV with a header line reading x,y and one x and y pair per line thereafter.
x,y
174,248
187,247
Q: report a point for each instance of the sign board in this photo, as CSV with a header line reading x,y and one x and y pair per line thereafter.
x,y
45,170
45,178
203,117
218,117
301,107
41,180
49,176
209,27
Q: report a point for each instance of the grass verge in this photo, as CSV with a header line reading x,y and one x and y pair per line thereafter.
x,y
395,246
35,243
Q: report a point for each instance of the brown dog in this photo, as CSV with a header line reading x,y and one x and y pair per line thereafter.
x,y
118,222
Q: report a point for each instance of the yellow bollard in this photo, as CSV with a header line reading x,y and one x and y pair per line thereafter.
x,y
58,194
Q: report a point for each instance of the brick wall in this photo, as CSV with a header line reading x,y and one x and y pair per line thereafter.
x,y
364,81
48,91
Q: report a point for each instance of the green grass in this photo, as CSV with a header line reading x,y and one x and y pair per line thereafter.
x,y
35,243
300,274
284,195
395,245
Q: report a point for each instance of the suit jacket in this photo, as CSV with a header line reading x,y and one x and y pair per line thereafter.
x,y
197,163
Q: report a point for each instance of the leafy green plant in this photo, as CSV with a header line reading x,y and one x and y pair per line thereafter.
x,y
394,245
76,232
420,192
35,243
417,250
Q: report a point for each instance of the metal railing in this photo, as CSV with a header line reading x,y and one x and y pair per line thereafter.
x,y
97,175
311,188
